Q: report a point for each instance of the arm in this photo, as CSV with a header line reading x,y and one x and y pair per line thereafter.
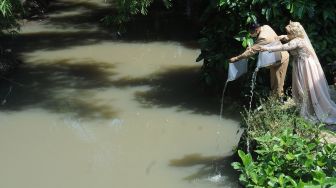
x,y
250,51
293,44
283,38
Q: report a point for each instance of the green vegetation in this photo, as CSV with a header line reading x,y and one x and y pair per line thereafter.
x,y
12,10
224,30
127,8
284,150
288,161
9,12
226,20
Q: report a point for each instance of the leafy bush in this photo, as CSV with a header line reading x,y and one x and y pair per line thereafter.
x,y
35,7
272,116
288,160
9,12
285,149
127,8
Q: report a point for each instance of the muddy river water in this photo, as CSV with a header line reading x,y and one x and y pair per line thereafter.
x,y
86,111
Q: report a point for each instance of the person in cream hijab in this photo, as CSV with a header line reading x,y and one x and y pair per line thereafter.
x,y
310,89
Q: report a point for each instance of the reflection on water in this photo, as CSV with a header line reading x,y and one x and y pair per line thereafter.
x,y
213,169
89,111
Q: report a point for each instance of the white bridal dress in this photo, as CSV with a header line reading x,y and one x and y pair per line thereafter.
x,y
310,89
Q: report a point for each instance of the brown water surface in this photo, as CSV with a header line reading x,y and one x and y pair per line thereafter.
x,y
89,111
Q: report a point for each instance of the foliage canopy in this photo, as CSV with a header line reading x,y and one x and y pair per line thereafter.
x,y
226,20
9,12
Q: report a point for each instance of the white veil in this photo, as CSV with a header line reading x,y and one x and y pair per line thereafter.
x,y
309,44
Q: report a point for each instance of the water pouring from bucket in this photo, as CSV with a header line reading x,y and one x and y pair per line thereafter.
x,y
237,69
265,59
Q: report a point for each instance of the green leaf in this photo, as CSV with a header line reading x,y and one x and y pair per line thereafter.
x,y
200,57
290,156
268,14
246,158
308,163
249,42
301,184
281,179
239,38
321,163
288,6
222,2
236,165
243,179
254,177
312,186
311,146
277,148
292,181
330,181
261,151
271,183
319,175
300,12
244,44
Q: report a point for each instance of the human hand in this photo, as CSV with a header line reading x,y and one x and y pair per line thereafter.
x,y
233,59
283,37
262,49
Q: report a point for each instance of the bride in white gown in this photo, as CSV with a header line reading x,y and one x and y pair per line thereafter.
x,y
309,86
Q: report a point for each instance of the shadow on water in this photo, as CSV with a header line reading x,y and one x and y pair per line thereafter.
x,y
83,15
178,87
55,40
86,16
57,86
159,26
215,169
175,87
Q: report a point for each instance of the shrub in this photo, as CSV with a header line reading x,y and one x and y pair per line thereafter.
x,y
288,160
285,149
9,12
127,8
